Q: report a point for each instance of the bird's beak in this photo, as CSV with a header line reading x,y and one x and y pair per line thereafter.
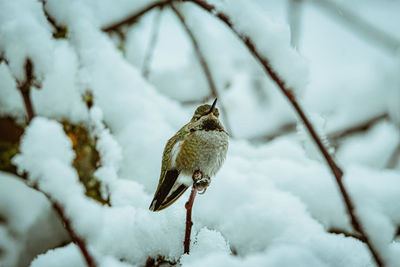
x,y
212,106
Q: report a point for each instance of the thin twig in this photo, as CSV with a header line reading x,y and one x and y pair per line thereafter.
x,y
134,17
80,242
361,26
356,128
59,31
25,87
345,233
206,69
284,129
152,44
288,93
189,223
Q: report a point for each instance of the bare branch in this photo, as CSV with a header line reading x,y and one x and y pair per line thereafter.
x,y
25,86
357,128
347,234
59,31
288,93
134,17
361,26
189,223
204,65
152,43
282,130
80,242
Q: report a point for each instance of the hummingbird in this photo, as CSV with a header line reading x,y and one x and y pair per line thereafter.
x,y
193,155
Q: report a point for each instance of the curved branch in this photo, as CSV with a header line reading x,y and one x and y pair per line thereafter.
x,y
204,65
79,242
133,18
288,93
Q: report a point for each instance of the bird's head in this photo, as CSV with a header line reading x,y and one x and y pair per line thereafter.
x,y
206,118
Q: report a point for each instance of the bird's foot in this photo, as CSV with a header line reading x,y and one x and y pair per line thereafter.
x,y
201,182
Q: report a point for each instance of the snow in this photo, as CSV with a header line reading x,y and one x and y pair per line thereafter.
x,y
272,40
22,235
272,203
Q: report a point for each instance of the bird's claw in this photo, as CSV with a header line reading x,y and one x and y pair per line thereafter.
x,y
201,183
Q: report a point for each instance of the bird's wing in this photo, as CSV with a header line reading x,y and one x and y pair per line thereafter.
x,y
166,192
164,189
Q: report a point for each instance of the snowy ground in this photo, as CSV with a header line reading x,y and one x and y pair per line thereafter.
x,y
272,204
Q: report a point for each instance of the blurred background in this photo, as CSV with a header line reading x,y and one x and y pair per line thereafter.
x,y
352,51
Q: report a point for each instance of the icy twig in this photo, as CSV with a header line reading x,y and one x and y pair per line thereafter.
x,y
189,223
204,66
25,86
361,26
152,43
288,93
134,17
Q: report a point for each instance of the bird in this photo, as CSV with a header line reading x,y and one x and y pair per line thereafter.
x,y
193,155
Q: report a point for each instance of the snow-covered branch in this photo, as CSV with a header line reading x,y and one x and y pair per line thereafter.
x,y
59,183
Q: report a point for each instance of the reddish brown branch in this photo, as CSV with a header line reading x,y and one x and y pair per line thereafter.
x,y
189,223
80,242
134,17
204,65
337,172
75,237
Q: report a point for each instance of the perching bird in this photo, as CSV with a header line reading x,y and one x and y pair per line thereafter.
x,y
193,155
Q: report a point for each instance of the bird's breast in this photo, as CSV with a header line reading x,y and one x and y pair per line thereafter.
x,y
204,151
